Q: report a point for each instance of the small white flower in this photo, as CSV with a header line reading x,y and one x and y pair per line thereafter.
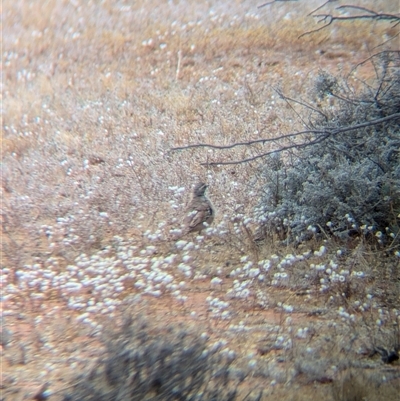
x,y
186,258
254,272
180,244
288,308
216,281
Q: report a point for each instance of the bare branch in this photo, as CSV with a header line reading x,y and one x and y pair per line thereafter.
x,y
330,18
349,100
304,104
320,7
250,159
322,135
355,17
316,30
395,17
264,140
357,8
390,39
326,131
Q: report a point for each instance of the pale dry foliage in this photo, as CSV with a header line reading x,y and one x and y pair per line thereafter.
x,y
95,94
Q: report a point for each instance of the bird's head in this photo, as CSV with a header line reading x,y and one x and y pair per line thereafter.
x,y
200,189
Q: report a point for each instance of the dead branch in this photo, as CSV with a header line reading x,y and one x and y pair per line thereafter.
x,y
320,7
247,143
368,15
250,159
364,9
321,136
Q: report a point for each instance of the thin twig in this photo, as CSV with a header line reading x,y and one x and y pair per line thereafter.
x,y
344,6
388,17
321,6
390,39
355,102
329,18
302,103
370,58
250,159
316,30
286,99
395,17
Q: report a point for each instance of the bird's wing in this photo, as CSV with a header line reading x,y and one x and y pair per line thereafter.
x,y
196,217
199,213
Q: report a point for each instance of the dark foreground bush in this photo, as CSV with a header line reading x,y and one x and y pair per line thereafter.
x,y
143,363
347,181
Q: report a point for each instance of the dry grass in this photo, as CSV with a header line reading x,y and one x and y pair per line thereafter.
x,y
94,97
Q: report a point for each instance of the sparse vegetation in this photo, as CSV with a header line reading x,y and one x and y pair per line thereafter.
x,y
94,97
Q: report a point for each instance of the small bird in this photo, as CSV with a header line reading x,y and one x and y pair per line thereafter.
x,y
200,212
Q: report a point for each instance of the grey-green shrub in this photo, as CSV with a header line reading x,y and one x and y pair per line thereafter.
x,y
349,182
